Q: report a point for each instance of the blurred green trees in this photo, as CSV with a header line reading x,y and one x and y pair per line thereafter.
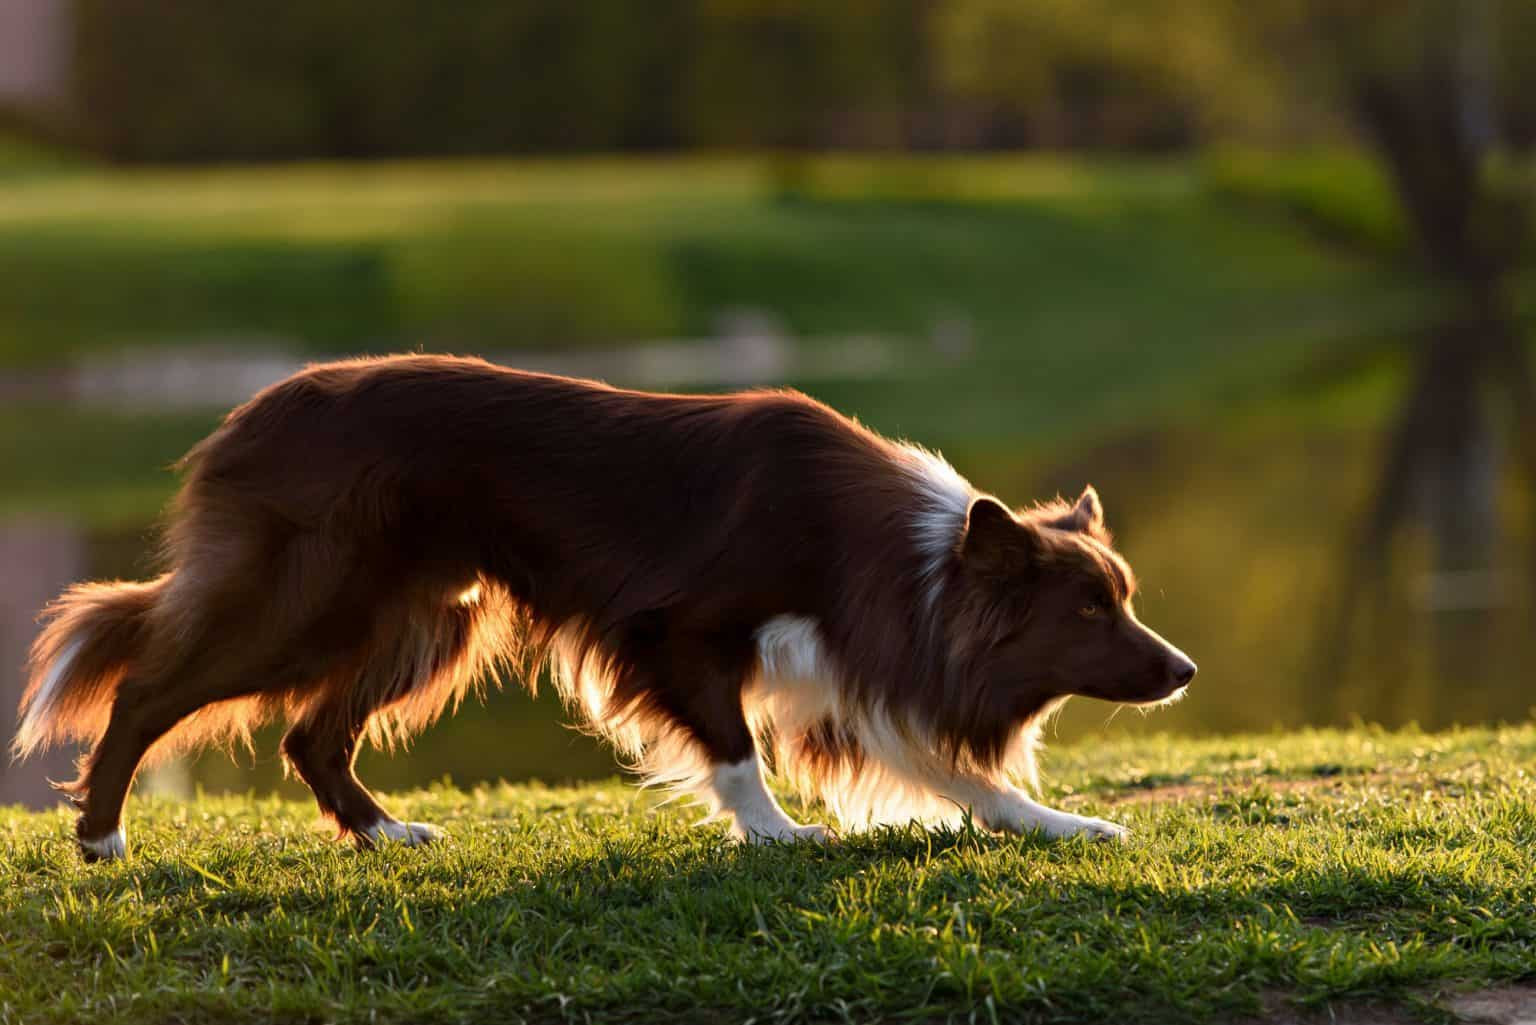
x,y
349,78
163,81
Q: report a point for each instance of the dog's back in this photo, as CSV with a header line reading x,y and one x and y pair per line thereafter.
x,y
581,499
357,546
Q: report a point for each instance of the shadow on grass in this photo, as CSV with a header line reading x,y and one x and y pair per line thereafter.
x,y
660,921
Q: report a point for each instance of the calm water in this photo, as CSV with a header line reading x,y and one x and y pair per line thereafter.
x,y
1238,539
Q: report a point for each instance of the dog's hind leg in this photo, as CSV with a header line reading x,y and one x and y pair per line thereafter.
x,y
233,625
146,708
321,750
143,712
422,659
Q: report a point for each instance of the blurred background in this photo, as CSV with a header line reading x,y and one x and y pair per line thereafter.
x,y
1263,273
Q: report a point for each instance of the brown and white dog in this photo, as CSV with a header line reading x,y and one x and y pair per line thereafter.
x,y
713,579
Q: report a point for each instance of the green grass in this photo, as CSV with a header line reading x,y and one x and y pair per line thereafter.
x,y
1309,871
1343,195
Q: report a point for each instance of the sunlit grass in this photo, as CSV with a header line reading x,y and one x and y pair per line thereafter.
x,y
1308,870
384,198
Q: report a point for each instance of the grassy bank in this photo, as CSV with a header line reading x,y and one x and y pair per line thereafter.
x,y
1132,260
1088,297
1269,874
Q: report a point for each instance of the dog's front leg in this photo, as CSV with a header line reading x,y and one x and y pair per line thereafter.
x,y
1008,809
739,790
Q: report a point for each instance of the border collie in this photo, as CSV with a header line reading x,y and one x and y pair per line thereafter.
x,y
721,584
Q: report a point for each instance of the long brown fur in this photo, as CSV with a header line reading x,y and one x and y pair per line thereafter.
x,y
359,545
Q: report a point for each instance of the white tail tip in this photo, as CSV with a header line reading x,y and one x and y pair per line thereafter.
x,y
33,731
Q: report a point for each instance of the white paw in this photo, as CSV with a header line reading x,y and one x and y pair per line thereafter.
x,y
787,833
412,834
1056,825
108,848
1094,829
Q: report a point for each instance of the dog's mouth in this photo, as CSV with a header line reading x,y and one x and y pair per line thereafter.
x,y
1171,697
1138,697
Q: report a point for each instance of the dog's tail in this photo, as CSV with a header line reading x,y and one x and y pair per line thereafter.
x,y
91,635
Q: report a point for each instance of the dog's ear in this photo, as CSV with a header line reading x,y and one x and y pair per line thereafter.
x,y
1085,516
996,541
1088,513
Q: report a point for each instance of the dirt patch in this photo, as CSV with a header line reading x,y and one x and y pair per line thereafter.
x,y
1508,1005
1195,791
1346,1014
1504,1005
1279,1011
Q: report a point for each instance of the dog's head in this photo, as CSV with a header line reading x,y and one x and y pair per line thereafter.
x,y
1047,608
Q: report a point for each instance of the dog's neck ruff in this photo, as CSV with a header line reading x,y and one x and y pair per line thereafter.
x,y
943,499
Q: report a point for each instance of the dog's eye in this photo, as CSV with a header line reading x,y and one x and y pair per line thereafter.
x,y
1089,611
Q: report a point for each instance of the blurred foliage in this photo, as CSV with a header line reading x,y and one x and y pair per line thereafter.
x,y
348,78
156,81
1274,71
1145,73
353,78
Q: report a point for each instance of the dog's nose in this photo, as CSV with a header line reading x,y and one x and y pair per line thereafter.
x,y
1183,670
